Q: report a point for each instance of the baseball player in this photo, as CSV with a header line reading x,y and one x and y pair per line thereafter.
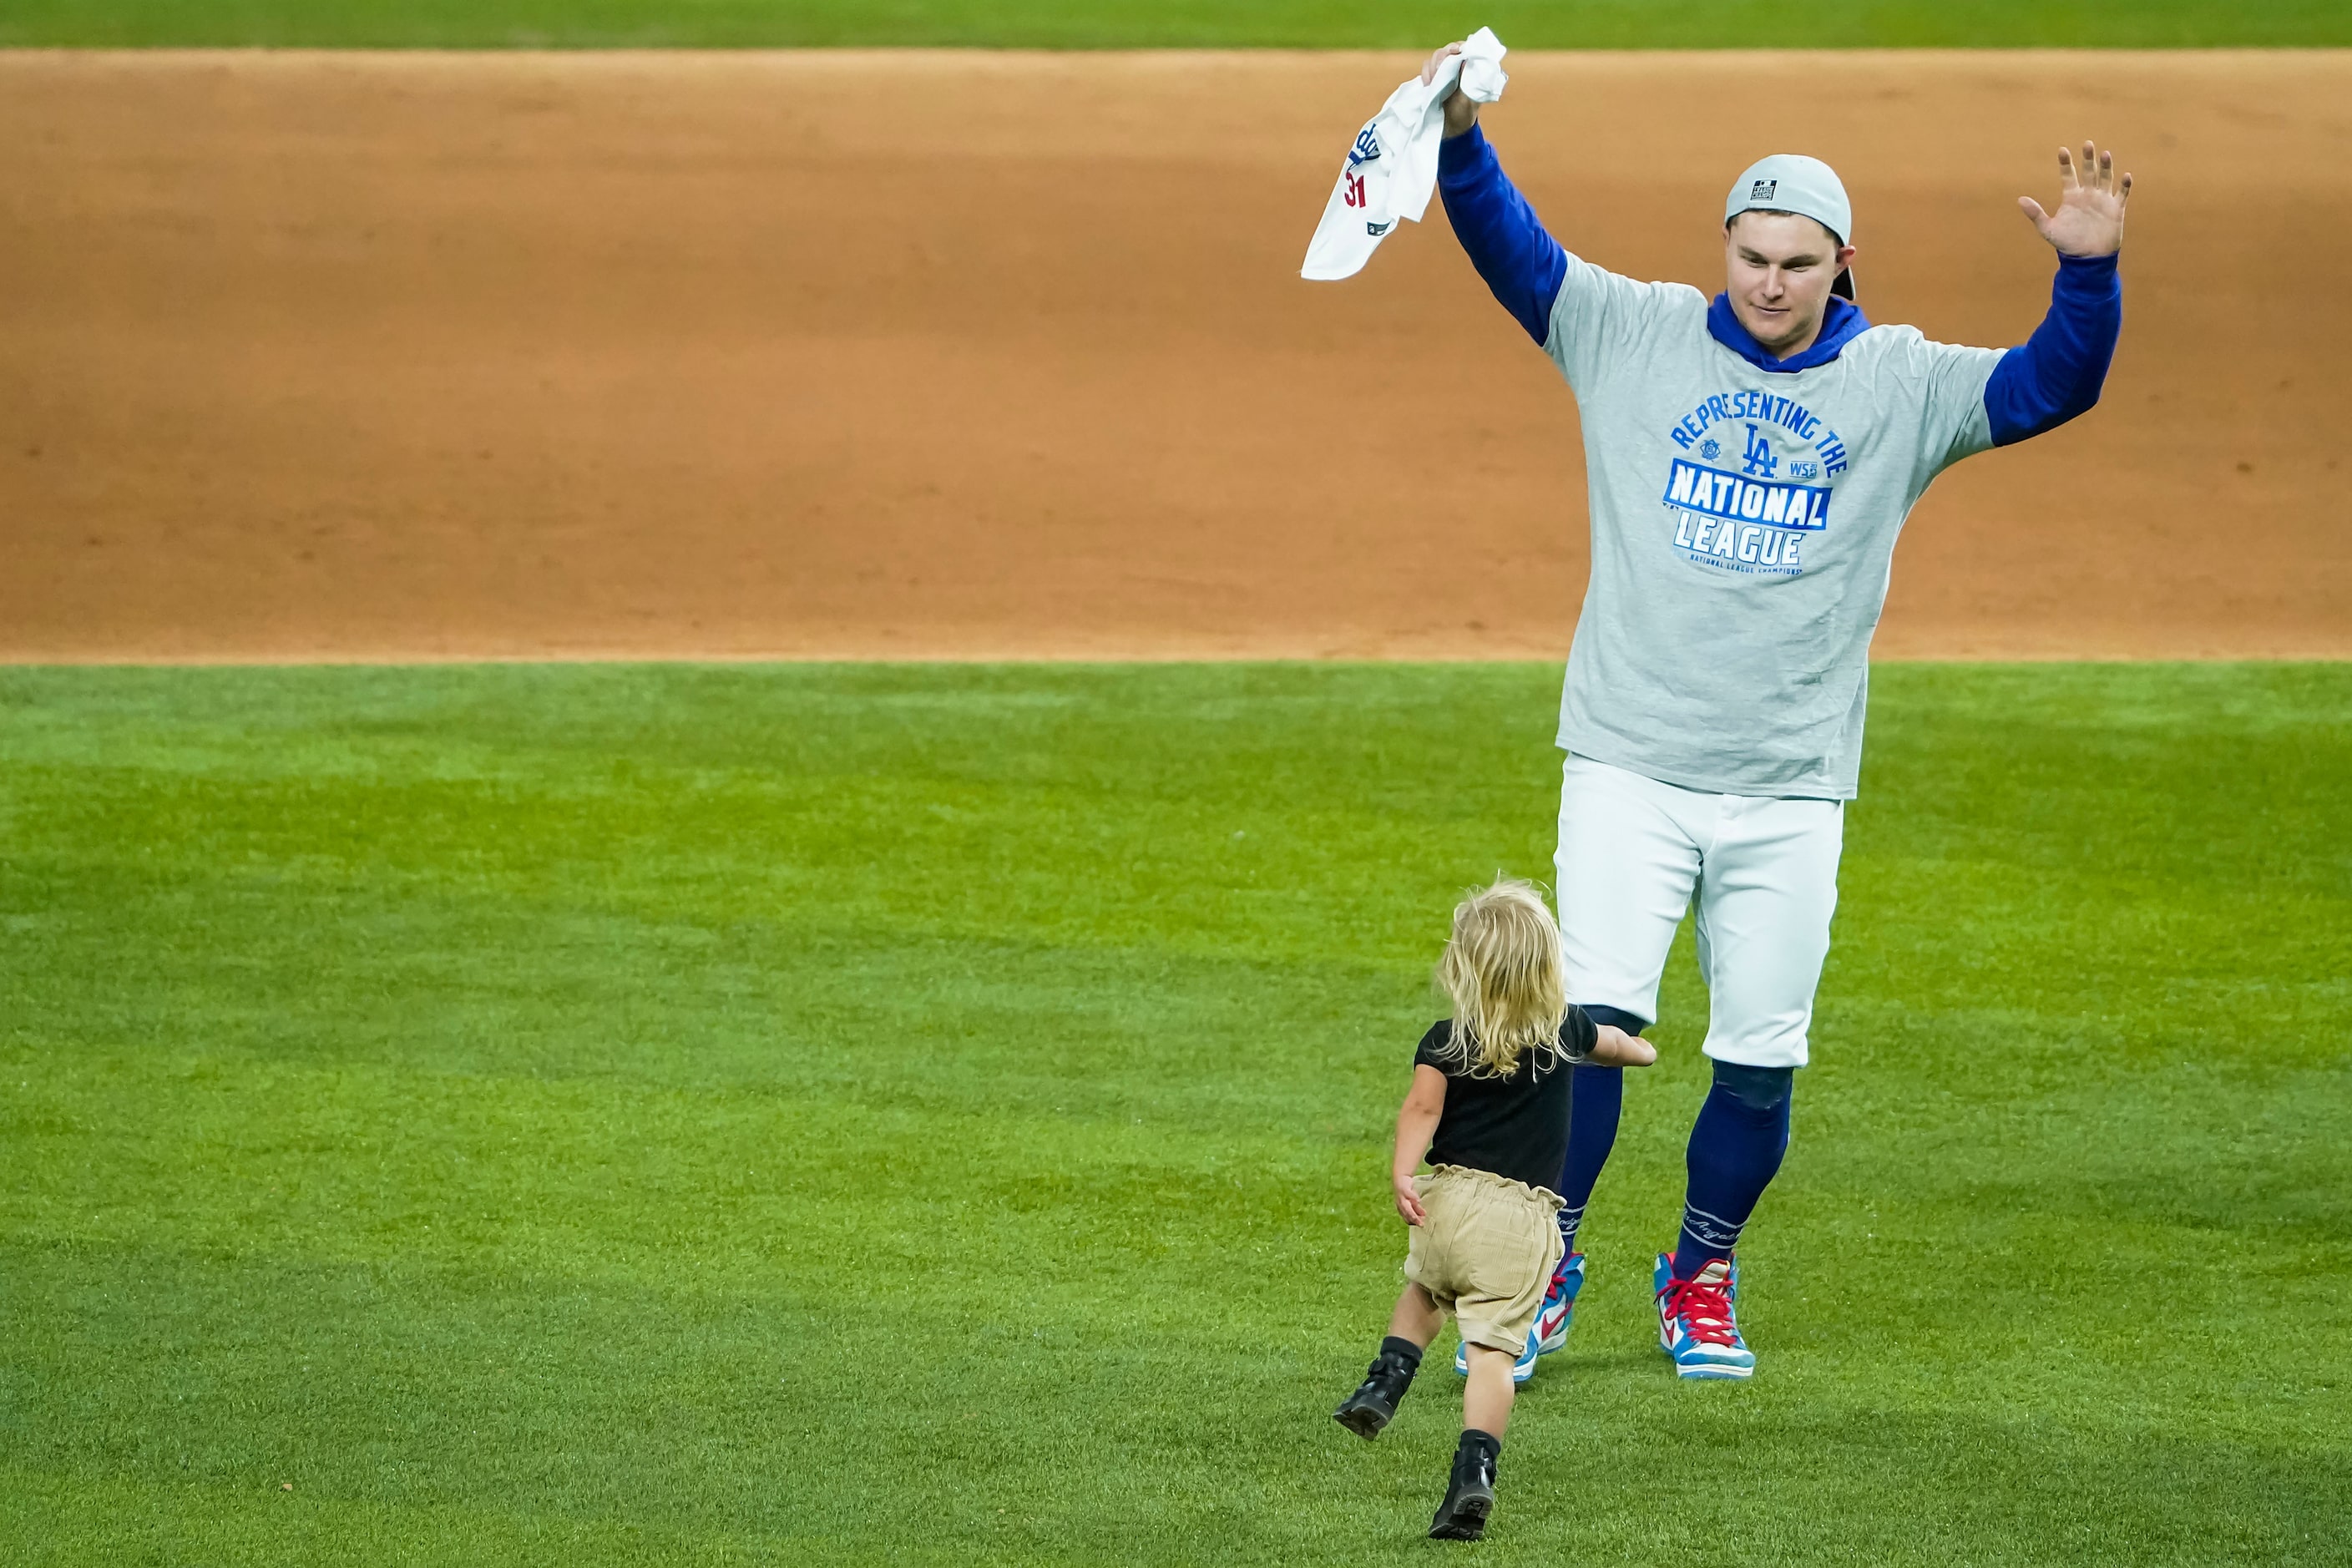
x,y
1752,459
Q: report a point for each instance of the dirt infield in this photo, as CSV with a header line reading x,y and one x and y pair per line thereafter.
x,y
959,355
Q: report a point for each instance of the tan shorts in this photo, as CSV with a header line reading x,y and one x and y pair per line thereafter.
x,y
1484,1252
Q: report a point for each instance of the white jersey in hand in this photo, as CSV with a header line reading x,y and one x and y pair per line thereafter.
x,y
1390,171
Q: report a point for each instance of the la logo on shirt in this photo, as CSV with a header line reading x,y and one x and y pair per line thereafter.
x,y
1733,510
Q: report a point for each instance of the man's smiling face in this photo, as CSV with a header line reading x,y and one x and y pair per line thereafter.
x,y
1777,269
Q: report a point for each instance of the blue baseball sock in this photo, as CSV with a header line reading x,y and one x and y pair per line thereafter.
x,y
1735,1151
1599,1097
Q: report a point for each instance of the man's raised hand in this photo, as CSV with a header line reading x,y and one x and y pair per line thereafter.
x,y
2089,216
1461,110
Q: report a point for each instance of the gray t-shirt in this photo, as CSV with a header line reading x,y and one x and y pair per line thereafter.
x,y
1743,521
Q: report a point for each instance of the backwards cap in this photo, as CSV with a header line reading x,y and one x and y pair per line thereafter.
x,y
1792,182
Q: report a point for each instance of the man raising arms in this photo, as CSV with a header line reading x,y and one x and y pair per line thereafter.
x,y
1752,459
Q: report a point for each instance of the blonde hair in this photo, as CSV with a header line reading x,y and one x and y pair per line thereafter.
x,y
1502,969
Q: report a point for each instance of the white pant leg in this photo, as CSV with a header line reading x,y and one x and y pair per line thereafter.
x,y
1628,860
1766,893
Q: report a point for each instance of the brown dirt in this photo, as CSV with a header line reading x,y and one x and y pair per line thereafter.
x,y
433,356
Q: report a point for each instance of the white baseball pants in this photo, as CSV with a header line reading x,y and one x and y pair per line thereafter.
x,y
1631,852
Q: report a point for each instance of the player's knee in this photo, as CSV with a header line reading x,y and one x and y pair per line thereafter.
x,y
1759,1089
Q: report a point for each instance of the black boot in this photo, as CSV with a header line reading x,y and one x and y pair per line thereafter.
x,y
1370,1407
1471,1496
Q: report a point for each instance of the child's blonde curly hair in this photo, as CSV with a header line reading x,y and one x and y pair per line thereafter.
x,y
1502,969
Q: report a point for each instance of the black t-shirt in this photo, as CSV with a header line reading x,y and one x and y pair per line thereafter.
x,y
1515,1126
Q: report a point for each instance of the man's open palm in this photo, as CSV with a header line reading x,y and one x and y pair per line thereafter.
x,y
2089,216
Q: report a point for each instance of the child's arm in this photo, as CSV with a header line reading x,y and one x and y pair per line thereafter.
x,y
1616,1049
1416,1125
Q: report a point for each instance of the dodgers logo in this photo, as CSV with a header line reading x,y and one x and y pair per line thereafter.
x,y
1752,523
1758,409
1367,147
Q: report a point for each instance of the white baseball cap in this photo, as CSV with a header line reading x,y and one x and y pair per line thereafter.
x,y
1792,182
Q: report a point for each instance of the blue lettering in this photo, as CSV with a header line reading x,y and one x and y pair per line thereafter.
x,y
1774,408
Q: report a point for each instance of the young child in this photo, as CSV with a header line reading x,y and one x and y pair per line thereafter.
x,y
1489,1106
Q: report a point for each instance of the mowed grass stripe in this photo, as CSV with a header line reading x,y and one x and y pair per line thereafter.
x,y
1186,23
925,1114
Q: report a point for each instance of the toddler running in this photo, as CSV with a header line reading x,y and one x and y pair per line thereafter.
x,y
1489,1106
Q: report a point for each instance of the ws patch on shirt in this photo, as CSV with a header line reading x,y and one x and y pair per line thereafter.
x,y
1752,521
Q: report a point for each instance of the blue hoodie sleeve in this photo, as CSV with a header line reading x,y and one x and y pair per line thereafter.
x,y
2058,373
1521,263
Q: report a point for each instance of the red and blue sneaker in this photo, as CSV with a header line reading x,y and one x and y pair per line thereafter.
x,y
1698,1325
1559,1309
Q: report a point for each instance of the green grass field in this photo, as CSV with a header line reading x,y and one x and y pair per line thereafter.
x,y
1100,24
937,1115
